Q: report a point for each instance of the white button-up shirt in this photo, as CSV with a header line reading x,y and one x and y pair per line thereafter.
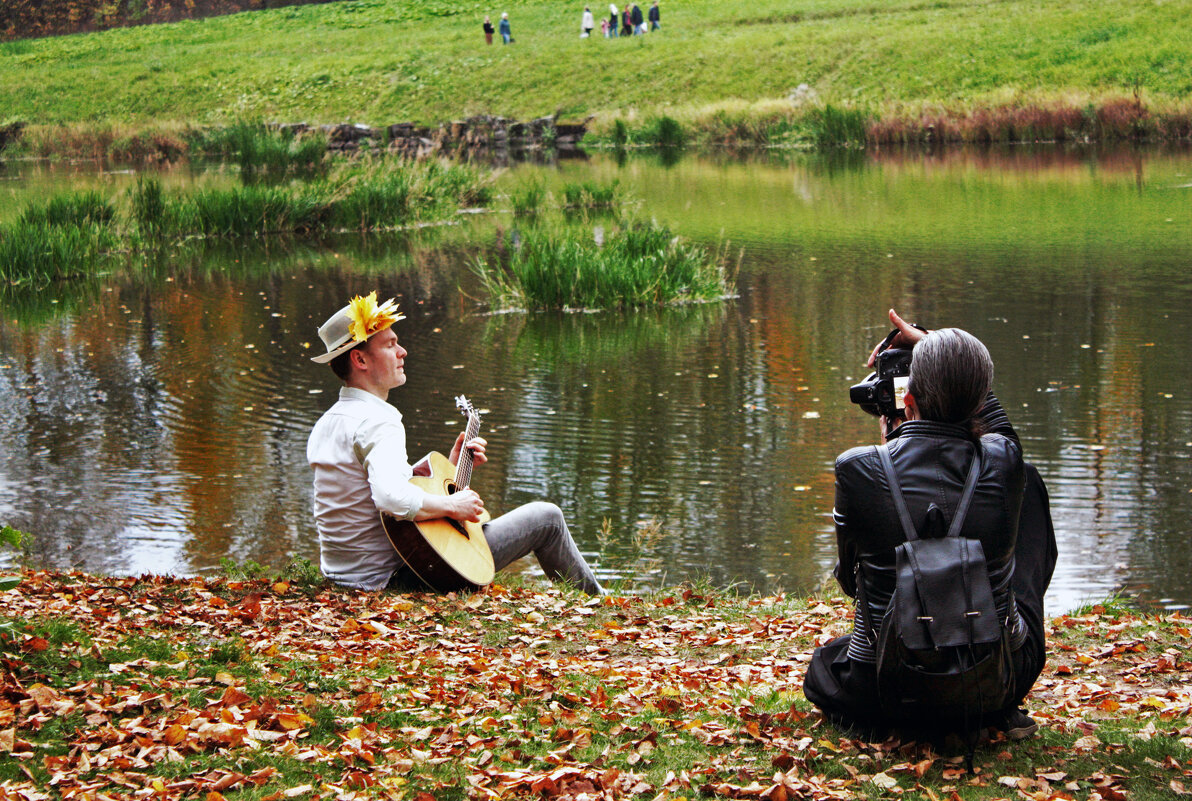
x,y
358,452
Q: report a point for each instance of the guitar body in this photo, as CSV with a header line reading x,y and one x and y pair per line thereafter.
x,y
445,554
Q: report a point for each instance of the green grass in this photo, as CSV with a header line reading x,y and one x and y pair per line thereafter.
x,y
638,264
384,61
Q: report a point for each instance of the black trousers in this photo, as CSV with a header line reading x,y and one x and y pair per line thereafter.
x,y
846,691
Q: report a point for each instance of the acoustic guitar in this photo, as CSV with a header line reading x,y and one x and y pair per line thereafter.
x,y
445,554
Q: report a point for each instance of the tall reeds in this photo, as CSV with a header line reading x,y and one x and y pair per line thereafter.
x,y
33,254
263,152
356,196
639,264
72,208
527,199
64,237
591,195
68,235
148,206
836,126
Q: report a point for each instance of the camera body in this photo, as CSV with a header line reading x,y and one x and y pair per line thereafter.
x,y
880,394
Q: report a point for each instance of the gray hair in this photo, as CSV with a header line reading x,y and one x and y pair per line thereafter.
x,y
951,373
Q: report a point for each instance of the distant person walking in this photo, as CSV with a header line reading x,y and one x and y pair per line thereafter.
x,y
587,23
639,24
655,17
626,22
506,32
613,20
489,30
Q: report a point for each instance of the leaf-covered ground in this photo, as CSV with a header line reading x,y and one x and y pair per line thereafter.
x,y
210,689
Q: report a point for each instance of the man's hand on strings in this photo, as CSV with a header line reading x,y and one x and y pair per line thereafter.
x,y
476,445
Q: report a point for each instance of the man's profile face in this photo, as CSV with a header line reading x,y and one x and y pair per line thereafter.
x,y
386,359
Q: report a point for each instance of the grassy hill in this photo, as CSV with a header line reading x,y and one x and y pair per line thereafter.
x,y
382,61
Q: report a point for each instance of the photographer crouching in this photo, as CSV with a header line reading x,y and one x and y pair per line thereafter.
x,y
945,540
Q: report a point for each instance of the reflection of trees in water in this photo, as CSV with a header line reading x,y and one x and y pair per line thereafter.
x,y
129,395
657,415
162,419
86,408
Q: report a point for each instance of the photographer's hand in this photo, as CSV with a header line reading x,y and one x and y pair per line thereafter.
x,y
908,334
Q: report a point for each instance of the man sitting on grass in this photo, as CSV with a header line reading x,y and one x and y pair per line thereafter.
x,y
358,452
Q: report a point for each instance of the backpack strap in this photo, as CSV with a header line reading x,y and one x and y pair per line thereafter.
x,y
904,515
966,498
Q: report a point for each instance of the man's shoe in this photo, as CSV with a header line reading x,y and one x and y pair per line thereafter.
x,y
1017,725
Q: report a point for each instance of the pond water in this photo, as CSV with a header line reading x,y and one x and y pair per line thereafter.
x,y
158,423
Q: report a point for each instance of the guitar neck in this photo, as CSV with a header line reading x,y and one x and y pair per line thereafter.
x,y
463,469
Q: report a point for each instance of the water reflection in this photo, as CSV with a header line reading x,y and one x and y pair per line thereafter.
x,y
157,421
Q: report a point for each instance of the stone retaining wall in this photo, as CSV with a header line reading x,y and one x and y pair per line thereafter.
x,y
482,134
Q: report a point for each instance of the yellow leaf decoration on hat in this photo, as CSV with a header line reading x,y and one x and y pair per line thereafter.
x,y
367,318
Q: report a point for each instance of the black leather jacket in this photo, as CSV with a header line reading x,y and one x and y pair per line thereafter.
x,y
931,461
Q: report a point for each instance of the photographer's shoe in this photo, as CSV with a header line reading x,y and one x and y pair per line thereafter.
x,y
1017,724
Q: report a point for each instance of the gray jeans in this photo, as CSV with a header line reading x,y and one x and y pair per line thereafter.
x,y
537,528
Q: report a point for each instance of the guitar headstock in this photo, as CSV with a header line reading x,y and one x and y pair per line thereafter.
x,y
465,407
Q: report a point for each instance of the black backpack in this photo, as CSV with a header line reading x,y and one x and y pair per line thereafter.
x,y
943,656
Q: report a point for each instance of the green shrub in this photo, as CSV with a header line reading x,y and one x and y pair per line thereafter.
x,y
641,264
666,132
375,198
620,133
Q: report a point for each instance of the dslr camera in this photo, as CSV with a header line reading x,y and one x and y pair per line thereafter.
x,y
880,394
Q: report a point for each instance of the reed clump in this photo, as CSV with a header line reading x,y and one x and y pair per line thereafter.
x,y
592,195
251,211
1107,119
34,254
357,196
70,234
263,152
527,199
838,126
637,264
72,208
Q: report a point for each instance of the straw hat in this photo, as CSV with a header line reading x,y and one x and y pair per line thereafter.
x,y
355,323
